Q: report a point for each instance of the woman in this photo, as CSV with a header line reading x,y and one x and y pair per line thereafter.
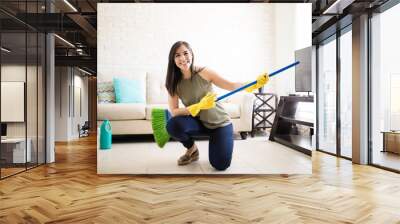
x,y
201,115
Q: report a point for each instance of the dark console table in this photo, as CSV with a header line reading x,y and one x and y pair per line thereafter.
x,y
285,128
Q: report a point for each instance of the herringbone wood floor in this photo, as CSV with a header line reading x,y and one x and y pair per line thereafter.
x,y
70,191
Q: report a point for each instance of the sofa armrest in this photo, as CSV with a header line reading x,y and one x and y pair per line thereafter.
x,y
246,111
245,100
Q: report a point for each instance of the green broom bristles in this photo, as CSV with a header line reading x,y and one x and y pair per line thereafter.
x,y
159,120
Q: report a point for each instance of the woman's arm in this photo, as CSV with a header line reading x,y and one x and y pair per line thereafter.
x,y
173,103
217,80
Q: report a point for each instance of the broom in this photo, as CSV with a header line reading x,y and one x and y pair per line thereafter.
x,y
159,117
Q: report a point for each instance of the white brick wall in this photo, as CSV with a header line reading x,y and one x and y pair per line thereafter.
x,y
291,33
236,40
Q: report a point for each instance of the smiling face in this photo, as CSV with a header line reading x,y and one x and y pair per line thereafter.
x,y
183,58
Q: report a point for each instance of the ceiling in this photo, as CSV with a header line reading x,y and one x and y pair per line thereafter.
x,y
76,21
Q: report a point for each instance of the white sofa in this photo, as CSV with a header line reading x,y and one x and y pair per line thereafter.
x,y
135,118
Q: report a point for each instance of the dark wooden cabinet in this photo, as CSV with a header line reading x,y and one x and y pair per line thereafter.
x,y
289,119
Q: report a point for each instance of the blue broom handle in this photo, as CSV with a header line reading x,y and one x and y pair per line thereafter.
x,y
252,83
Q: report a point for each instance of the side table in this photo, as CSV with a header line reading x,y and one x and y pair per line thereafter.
x,y
264,107
391,141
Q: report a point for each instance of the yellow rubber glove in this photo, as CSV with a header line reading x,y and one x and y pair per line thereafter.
x,y
261,81
207,102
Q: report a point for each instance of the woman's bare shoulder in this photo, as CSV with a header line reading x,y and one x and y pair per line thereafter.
x,y
199,68
205,73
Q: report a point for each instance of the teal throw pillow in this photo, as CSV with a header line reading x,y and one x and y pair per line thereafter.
x,y
128,90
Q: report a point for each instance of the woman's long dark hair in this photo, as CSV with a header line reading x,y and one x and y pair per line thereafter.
x,y
174,74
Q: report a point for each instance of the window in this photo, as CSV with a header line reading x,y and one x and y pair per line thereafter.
x,y
346,93
22,65
327,96
385,89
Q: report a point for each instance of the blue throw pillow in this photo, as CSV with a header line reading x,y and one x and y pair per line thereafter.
x,y
128,91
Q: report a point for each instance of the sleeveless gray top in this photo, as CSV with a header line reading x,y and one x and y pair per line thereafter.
x,y
192,90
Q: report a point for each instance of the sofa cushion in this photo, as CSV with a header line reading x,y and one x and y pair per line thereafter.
x,y
121,111
128,90
130,73
232,109
155,88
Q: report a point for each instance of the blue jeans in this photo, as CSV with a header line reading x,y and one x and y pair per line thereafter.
x,y
183,128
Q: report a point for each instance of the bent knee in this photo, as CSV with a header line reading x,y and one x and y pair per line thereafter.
x,y
221,165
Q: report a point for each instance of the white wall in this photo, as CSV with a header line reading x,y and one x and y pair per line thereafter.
x,y
15,72
239,41
385,48
236,40
66,119
61,103
80,83
13,101
34,125
389,67
291,33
